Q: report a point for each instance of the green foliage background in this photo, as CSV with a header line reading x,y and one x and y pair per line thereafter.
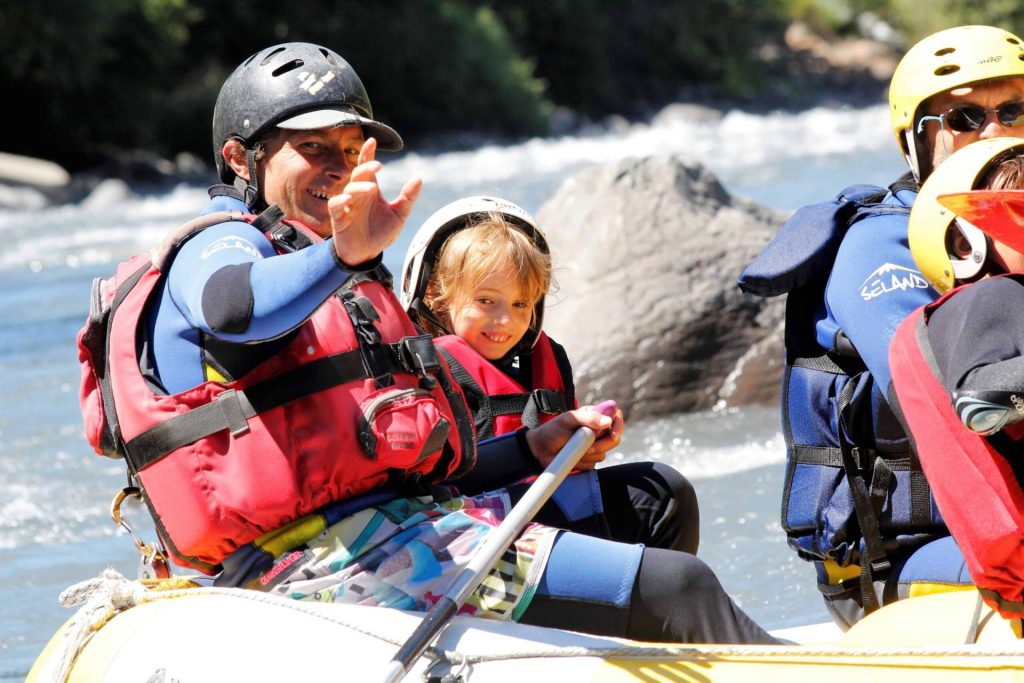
x,y
86,80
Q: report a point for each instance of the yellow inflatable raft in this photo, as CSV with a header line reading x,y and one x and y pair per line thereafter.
x,y
126,632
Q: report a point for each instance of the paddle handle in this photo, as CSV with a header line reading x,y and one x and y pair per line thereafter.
x,y
494,546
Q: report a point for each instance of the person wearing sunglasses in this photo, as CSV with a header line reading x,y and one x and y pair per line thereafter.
x,y
855,501
966,115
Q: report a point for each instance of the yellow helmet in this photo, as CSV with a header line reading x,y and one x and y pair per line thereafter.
x,y
930,221
944,61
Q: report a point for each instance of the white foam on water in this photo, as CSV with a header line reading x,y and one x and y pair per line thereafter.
x,y
708,444
738,140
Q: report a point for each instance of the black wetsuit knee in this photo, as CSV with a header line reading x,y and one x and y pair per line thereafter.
x,y
650,503
678,598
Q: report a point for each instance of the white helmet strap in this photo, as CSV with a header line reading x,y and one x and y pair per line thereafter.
x,y
911,153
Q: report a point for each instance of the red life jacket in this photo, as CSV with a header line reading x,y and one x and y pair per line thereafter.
x,y
976,489
499,403
357,401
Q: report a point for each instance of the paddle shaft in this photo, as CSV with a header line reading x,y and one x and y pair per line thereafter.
x,y
497,541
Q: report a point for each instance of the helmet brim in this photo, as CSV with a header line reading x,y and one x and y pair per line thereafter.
x,y
997,213
388,139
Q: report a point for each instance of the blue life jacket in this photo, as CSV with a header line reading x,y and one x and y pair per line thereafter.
x,y
855,495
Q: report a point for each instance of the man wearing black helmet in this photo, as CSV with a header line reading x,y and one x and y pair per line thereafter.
x,y
289,427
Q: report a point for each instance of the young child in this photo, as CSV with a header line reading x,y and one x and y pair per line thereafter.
x,y
482,269
475,277
958,364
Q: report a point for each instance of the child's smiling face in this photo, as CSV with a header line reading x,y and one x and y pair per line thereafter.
x,y
494,316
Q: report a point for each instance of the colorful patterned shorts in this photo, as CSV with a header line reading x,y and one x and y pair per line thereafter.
x,y
405,554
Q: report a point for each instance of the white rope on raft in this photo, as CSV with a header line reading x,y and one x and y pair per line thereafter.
x,y
110,593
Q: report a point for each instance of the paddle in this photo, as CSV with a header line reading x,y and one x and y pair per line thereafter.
x,y
493,548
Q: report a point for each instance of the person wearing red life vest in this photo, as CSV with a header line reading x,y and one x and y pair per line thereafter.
x,y
958,363
475,276
290,429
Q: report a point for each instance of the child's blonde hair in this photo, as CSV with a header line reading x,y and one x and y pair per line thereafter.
x,y
470,255
1007,175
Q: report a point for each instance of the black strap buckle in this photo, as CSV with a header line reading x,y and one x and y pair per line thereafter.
x,y
419,356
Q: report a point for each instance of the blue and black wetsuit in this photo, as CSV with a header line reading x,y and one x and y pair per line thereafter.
x,y
856,501
229,301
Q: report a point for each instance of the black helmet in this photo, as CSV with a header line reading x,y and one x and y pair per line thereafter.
x,y
298,86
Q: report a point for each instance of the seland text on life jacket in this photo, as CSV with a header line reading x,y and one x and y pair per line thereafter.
x,y
977,487
357,401
499,403
854,492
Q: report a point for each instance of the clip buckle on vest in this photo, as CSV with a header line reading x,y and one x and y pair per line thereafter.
x,y
419,355
233,404
548,402
861,457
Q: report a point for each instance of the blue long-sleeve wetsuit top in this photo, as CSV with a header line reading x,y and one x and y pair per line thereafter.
x,y
873,286
228,284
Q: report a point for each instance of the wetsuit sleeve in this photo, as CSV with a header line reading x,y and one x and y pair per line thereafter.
x,y
229,282
501,461
977,336
874,285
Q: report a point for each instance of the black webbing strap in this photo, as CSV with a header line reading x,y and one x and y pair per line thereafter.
x,y
530,406
565,370
479,402
97,336
873,558
232,409
824,363
463,418
378,273
818,455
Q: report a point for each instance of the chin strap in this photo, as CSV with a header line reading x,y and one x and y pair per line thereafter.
x,y
250,190
910,141
422,315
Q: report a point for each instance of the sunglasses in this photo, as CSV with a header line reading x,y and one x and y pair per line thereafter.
x,y
968,117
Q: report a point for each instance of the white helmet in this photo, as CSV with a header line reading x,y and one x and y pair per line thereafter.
x,y
426,244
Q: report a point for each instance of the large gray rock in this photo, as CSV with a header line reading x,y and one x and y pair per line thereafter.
x,y
647,252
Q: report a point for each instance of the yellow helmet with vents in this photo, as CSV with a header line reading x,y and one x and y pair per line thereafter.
x,y
943,61
948,249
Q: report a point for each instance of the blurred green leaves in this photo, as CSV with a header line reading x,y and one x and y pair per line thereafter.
x,y
87,79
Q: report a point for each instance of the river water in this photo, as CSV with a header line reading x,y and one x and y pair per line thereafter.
x,y
54,494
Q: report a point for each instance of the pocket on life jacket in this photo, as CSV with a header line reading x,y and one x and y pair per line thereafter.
x,y
399,427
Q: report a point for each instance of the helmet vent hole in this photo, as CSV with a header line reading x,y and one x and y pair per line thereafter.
x,y
947,70
945,51
329,57
288,67
1013,41
270,55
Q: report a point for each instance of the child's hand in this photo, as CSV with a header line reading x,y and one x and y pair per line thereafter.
x,y
546,440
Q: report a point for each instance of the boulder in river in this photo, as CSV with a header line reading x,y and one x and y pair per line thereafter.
x,y
647,252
